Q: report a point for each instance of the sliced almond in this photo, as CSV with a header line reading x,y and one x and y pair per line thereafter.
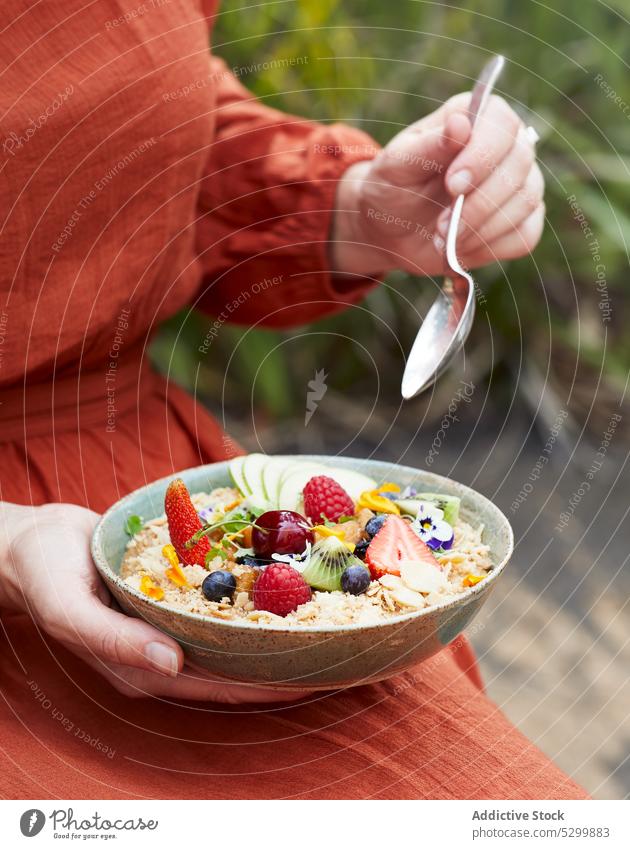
x,y
391,582
422,577
408,598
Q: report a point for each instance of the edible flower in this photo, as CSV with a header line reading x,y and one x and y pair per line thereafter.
x,y
389,487
177,576
409,492
211,514
206,515
174,573
171,555
150,588
298,561
326,531
430,526
471,580
372,500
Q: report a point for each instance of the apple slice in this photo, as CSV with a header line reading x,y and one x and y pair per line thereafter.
x,y
448,504
253,475
272,474
294,481
236,473
353,482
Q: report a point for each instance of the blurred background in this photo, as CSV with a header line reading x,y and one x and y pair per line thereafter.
x,y
548,360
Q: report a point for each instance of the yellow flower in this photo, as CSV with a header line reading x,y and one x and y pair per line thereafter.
x,y
389,487
325,531
377,503
171,555
174,573
150,588
471,580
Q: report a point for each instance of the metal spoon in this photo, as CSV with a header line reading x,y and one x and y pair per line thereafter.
x,y
448,322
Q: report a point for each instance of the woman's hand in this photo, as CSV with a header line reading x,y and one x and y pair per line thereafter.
x,y
47,571
392,212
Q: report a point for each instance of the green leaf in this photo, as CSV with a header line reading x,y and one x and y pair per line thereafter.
x,y
133,525
218,551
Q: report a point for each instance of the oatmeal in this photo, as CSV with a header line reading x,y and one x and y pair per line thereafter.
x,y
327,548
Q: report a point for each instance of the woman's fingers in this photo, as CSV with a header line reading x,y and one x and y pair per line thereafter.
x,y
506,181
518,207
192,685
517,242
493,136
66,597
109,637
420,153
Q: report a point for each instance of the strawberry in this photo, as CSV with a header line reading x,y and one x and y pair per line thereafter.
x,y
324,496
393,544
183,523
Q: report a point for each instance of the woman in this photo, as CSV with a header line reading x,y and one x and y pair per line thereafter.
x,y
138,177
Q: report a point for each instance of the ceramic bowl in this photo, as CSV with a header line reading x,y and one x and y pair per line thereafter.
x,y
307,657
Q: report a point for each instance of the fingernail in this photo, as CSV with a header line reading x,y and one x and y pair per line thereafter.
x,y
163,659
532,135
460,182
438,244
442,223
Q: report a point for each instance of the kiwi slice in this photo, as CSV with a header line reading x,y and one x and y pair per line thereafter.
x,y
327,562
449,504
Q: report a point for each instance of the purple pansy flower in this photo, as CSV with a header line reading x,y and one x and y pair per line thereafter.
x,y
430,526
206,514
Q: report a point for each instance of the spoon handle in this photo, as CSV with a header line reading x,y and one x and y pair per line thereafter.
x,y
484,86
478,99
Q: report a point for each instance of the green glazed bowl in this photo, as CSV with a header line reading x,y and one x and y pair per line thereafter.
x,y
305,657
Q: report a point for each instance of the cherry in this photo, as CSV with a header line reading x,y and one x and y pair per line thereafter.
x,y
280,532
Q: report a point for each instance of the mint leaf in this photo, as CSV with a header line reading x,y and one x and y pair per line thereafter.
x,y
133,525
217,551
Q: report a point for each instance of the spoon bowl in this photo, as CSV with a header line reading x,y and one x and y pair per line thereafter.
x,y
447,324
449,321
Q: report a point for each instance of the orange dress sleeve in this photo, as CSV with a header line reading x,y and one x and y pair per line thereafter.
x,y
266,203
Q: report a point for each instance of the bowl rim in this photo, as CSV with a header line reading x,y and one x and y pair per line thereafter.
x,y
108,574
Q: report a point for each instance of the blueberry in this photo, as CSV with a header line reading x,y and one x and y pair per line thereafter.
x,y
375,524
392,496
219,585
360,548
355,580
255,562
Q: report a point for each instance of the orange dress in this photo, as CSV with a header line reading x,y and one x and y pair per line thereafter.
x,y
138,176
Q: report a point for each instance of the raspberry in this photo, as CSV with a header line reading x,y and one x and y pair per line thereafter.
x,y
280,590
324,495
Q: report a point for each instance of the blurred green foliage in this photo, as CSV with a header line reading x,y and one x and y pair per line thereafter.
x,y
383,65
